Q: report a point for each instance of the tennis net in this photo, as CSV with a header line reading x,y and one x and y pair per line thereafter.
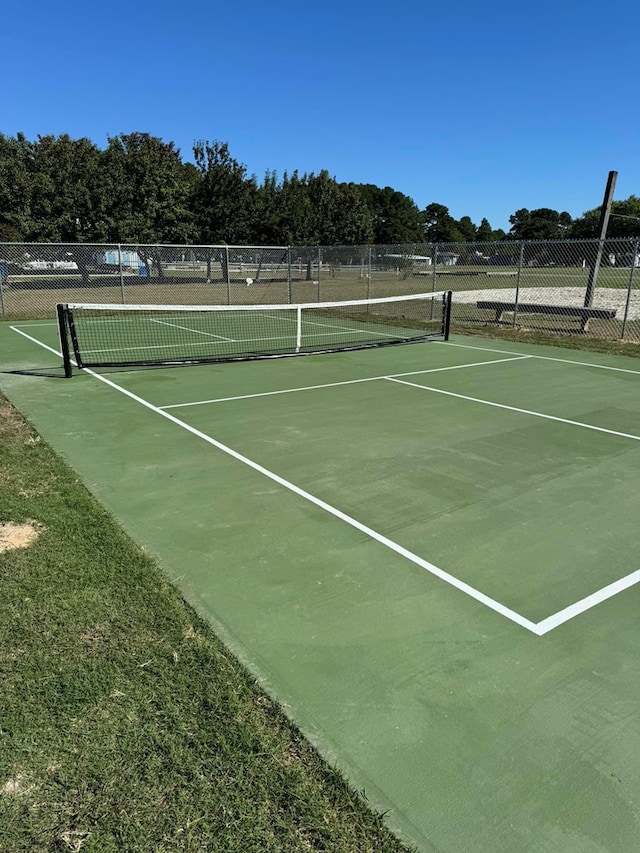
x,y
95,335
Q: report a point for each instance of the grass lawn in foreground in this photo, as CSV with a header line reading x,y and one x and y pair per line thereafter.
x,y
125,725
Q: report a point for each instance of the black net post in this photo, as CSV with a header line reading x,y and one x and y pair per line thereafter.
x,y
64,340
446,314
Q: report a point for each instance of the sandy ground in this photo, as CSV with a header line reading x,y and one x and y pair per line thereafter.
x,y
603,297
17,535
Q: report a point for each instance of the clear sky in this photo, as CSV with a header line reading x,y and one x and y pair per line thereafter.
x,y
483,107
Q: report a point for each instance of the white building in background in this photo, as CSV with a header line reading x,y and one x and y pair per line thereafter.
x,y
116,258
627,259
418,260
50,265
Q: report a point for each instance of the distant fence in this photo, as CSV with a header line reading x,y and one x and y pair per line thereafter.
x,y
585,286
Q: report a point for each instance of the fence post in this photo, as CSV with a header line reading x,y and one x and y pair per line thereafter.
x,y
517,298
605,212
319,265
289,274
121,276
635,258
227,276
369,275
3,280
434,254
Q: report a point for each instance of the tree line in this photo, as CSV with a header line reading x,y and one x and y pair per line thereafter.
x,y
138,189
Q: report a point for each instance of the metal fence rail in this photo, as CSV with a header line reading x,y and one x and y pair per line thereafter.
x,y
539,284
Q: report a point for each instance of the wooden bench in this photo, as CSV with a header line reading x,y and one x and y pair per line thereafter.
x,y
459,273
581,313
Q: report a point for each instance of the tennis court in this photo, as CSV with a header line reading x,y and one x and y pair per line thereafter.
x,y
427,553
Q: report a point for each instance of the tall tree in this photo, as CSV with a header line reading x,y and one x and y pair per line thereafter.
x,y
225,200
624,221
396,217
315,209
268,225
67,190
296,210
65,195
467,229
484,234
147,191
439,225
322,191
339,215
355,221
540,224
17,166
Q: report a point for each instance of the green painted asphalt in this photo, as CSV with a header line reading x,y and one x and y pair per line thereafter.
x,y
471,731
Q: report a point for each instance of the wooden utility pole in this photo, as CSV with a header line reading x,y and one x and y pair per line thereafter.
x,y
605,212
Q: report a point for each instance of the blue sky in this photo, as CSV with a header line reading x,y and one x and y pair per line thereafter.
x,y
485,108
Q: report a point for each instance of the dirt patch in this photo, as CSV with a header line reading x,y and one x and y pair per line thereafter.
x,y
18,535
17,786
11,424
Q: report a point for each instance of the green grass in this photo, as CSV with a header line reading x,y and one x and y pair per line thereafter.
x,y
537,336
125,725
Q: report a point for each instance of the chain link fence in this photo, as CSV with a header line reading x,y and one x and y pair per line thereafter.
x,y
586,286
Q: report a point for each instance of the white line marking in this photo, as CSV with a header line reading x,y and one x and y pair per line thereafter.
x,y
587,603
193,331
543,357
268,393
36,341
337,384
516,409
32,326
368,531
538,628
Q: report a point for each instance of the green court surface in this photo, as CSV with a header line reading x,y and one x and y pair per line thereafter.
x,y
426,553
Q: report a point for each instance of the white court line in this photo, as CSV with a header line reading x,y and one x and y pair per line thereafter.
x,y
337,384
587,603
543,357
36,341
515,409
32,326
538,628
193,331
